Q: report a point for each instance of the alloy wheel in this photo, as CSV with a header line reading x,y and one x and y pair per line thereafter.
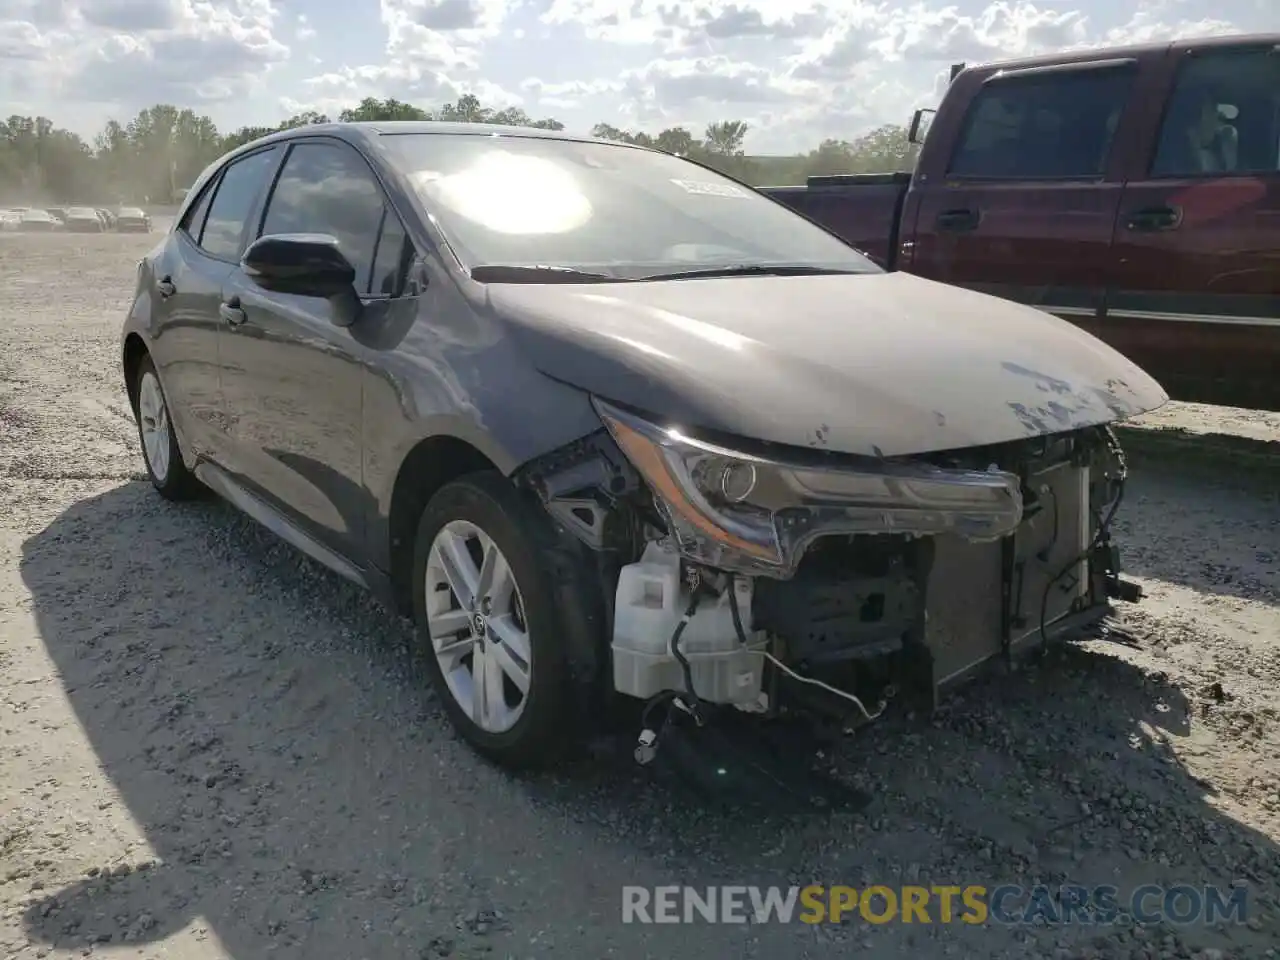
x,y
476,621
153,421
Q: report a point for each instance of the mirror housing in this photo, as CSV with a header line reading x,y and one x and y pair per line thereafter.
x,y
913,134
306,264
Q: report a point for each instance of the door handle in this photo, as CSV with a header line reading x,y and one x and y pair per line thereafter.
x,y
958,220
165,288
1154,218
231,311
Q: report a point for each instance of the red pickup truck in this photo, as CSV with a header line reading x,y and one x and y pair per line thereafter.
x,y
1133,191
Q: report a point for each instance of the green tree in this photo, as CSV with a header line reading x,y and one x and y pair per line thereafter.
x,y
725,138
371,109
679,141
162,150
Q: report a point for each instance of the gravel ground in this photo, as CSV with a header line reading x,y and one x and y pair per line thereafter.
x,y
210,747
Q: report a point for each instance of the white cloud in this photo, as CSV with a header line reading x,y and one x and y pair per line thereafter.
x,y
795,70
133,53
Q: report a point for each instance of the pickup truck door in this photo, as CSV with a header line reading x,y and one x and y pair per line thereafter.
x,y
1194,293
1025,206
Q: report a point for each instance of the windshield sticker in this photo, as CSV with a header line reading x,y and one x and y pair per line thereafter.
x,y
704,189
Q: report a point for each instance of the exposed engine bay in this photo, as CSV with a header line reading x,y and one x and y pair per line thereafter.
x,y
773,581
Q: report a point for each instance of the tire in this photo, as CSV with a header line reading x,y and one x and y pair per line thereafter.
x,y
157,438
536,732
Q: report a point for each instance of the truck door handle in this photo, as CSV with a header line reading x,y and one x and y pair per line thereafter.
x,y
165,288
958,221
1154,218
231,311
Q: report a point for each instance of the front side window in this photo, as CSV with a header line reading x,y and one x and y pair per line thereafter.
x,y
602,208
1223,117
237,194
328,188
1052,126
391,259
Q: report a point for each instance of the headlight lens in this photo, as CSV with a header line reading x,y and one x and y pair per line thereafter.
x,y
741,512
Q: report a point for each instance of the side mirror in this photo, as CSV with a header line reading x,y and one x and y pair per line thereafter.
x,y
913,134
306,264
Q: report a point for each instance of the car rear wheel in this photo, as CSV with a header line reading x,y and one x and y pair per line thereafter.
x,y
485,609
165,467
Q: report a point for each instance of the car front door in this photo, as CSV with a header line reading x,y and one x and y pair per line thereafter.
x,y
1195,285
1026,207
188,282
292,377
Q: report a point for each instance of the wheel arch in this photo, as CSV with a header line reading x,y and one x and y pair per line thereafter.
x,y
430,464
133,350
575,573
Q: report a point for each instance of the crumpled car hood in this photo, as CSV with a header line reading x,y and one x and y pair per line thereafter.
x,y
877,364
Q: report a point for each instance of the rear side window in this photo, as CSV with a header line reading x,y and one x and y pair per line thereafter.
x,y
233,203
328,188
193,222
1052,126
1223,117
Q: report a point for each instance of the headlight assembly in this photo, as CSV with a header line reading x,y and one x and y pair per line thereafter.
x,y
746,513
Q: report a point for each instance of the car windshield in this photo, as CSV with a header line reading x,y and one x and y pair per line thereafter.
x,y
82,213
604,209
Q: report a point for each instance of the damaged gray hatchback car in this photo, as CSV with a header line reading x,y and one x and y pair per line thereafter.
x,y
610,425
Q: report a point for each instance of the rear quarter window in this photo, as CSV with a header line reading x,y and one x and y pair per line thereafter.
x,y
193,220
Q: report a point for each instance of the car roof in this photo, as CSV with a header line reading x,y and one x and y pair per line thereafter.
x,y
1136,51
369,130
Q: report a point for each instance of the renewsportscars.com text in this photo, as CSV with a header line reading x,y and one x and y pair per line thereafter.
x,y
974,904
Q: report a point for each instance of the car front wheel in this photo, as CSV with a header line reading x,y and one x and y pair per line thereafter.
x,y
486,610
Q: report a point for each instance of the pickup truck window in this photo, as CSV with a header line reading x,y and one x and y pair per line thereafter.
x,y
1223,117
1042,128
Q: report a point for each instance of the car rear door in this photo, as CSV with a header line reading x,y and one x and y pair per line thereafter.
x,y
188,281
292,377
184,328
1195,285
1026,204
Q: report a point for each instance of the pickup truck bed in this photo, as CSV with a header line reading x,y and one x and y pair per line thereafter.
x,y
1133,191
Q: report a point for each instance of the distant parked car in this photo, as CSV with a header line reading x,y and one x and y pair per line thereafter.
x,y
58,213
39,221
84,220
133,220
9,220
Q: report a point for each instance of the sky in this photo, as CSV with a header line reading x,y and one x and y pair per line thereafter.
x,y
795,71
